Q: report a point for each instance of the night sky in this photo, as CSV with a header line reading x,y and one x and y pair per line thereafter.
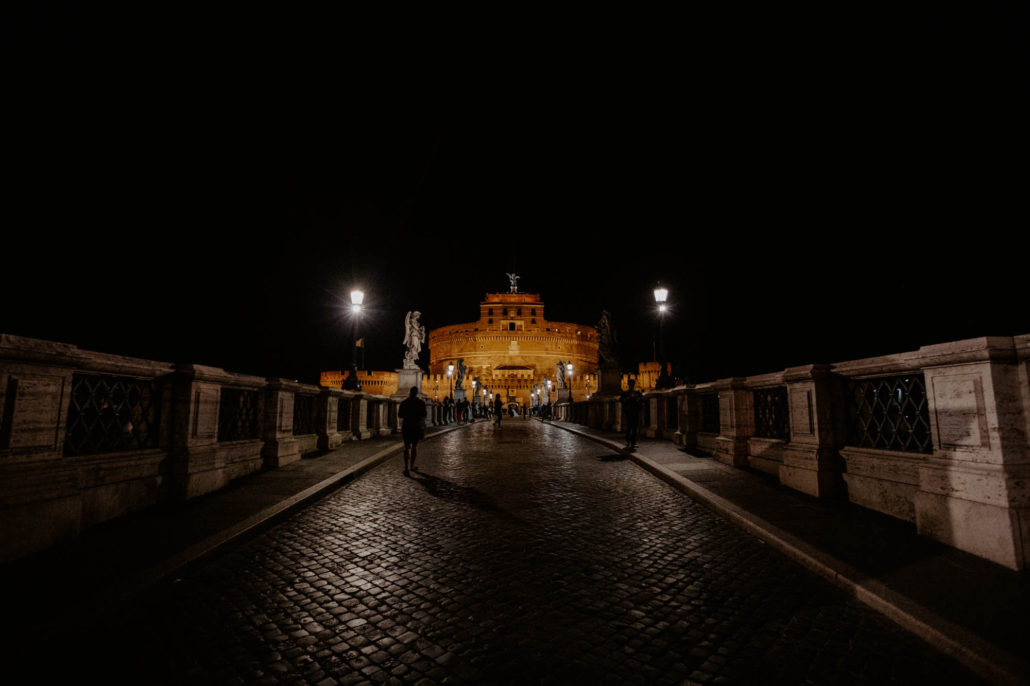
x,y
812,185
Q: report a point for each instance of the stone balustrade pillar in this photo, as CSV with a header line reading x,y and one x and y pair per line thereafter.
x,y
811,463
359,414
281,446
669,413
736,421
202,460
325,418
652,414
40,500
330,436
974,491
689,409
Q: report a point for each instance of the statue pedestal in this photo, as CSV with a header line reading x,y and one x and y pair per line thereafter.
x,y
564,395
609,381
406,378
459,394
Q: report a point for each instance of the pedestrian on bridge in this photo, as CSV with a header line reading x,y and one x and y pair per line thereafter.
x,y
498,411
632,401
412,412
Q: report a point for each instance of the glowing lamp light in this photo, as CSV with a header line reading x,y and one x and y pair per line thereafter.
x,y
357,297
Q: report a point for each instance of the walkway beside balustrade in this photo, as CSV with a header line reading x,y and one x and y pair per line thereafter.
x,y
110,564
966,605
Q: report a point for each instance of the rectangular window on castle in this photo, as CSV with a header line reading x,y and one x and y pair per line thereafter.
x,y
511,326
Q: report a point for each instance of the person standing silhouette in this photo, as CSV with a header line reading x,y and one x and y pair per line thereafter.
x,y
498,410
412,412
632,401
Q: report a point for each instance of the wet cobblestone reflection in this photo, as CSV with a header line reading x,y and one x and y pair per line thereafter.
x,y
521,556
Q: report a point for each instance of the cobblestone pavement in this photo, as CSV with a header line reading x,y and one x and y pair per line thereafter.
x,y
527,555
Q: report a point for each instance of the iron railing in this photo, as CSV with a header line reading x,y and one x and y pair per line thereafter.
x,y
239,414
672,415
303,414
111,414
710,420
342,414
889,413
772,417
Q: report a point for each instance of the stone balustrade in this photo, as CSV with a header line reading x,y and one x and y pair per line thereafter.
x,y
937,437
86,436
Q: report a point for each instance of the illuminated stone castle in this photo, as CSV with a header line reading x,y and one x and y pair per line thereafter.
x,y
513,347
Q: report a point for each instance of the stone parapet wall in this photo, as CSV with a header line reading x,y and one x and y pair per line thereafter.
x,y
86,436
937,437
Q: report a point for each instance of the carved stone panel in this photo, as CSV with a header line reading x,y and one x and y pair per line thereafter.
x,y
32,411
802,419
205,412
959,411
725,413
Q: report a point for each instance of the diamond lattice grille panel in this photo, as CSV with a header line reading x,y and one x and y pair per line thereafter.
x,y
111,414
710,413
772,418
889,413
303,414
238,415
343,414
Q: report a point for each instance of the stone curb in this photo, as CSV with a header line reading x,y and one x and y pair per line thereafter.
x,y
980,656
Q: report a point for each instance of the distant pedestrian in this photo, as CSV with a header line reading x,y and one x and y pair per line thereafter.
x,y
632,401
498,411
412,412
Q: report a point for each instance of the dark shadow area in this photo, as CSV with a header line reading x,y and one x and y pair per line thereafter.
x,y
448,490
612,457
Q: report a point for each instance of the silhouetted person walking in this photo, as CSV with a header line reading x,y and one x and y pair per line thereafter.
x,y
632,401
412,412
498,411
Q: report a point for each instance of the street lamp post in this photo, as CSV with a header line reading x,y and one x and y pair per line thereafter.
x,y
661,297
450,392
357,298
547,412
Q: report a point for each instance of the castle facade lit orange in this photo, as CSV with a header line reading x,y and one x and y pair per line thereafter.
x,y
513,349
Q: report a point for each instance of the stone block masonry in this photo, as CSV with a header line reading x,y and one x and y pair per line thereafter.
x,y
937,437
86,436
